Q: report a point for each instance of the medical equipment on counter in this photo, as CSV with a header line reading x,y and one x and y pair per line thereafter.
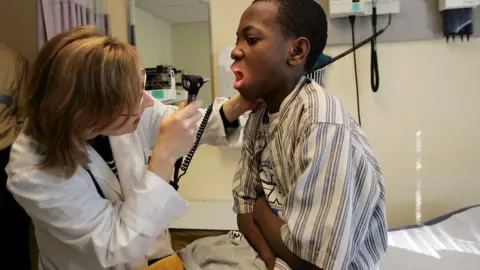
x,y
161,84
457,16
192,84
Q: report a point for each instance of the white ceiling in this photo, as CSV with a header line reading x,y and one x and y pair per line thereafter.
x,y
176,11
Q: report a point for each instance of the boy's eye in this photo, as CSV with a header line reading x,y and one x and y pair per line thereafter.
x,y
252,40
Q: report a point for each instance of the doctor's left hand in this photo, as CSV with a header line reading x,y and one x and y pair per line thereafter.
x,y
236,106
176,137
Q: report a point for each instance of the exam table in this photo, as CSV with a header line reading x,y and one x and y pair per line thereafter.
x,y
448,242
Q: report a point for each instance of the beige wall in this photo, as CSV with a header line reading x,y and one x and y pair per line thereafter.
x,y
224,16
429,87
18,26
117,9
191,53
154,39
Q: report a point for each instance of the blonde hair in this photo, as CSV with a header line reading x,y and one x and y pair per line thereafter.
x,y
81,80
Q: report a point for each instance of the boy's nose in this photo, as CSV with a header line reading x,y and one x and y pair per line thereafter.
x,y
236,54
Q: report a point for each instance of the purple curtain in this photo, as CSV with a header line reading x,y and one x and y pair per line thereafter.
x,y
57,16
131,23
133,40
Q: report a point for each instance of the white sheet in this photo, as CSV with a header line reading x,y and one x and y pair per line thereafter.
x,y
452,244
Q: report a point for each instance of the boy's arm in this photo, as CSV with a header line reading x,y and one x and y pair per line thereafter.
x,y
315,232
246,189
245,192
271,225
248,227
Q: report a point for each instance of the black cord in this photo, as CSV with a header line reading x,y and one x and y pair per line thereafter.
x,y
374,70
352,24
183,164
360,44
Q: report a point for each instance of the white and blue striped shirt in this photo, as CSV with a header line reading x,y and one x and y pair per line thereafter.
x,y
334,205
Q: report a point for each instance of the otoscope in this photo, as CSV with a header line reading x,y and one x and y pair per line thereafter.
x,y
192,84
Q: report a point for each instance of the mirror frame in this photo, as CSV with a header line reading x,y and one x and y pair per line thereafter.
x,y
132,41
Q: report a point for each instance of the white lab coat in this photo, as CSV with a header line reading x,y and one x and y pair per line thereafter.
x,y
77,229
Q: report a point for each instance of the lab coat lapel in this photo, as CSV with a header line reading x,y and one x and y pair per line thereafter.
x,y
128,155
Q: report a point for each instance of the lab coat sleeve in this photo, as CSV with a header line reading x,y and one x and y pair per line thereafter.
x,y
214,134
114,233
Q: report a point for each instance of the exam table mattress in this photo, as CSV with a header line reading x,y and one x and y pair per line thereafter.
x,y
448,242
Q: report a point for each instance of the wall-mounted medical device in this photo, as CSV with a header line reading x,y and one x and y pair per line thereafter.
x,y
457,4
371,8
345,8
457,16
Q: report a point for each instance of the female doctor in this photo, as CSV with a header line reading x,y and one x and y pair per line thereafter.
x,y
81,167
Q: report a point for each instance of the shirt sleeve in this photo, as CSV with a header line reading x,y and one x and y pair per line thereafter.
x,y
318,208
246,186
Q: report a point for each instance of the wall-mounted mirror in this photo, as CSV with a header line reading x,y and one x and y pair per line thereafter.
x,y
173,33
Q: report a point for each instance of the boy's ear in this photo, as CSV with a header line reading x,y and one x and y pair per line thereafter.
x,y
299,51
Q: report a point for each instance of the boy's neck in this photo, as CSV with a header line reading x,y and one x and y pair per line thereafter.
x,y
276,98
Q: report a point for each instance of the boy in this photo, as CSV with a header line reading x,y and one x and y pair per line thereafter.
x,y
308,191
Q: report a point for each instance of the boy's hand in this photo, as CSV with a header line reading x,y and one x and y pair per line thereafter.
x,y
252,233
261,208
270,263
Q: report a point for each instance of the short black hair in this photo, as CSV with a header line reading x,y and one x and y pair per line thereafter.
x,y
303,18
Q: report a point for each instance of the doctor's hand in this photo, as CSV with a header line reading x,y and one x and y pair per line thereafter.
x,y
237,106
176,138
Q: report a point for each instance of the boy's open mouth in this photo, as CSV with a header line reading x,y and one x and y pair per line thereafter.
x,y
238,78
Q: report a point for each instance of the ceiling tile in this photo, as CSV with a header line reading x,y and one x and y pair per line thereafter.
x,y
182,14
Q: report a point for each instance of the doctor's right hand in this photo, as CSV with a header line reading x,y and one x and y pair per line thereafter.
x,y
176,138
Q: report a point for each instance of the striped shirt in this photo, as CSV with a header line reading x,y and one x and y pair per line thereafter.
x,y
318,76
334,205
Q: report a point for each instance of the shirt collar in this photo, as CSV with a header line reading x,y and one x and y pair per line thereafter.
x,y
286,103
291,97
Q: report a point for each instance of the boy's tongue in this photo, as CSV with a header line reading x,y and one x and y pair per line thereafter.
x,y
238,79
